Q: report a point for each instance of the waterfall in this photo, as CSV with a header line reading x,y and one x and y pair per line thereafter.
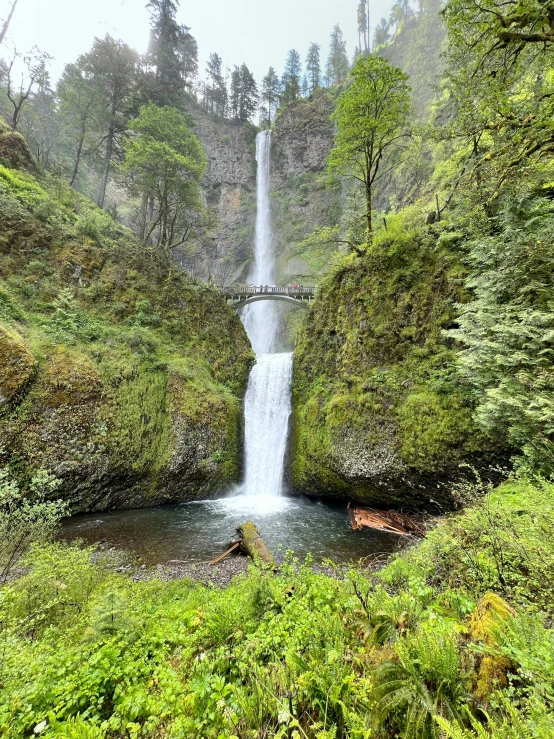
x,y
267,403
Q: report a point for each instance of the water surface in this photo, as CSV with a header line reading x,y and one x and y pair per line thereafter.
x,y
199,532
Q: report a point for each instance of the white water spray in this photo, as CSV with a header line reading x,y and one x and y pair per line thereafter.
x,y
267,403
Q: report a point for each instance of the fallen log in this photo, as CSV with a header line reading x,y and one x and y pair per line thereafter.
x,y
379,520
252,544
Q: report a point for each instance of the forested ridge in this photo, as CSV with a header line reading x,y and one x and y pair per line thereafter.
x,y
423,378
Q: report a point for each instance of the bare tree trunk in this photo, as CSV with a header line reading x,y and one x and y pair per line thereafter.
x,y
7,22
109,152
143,215
78,154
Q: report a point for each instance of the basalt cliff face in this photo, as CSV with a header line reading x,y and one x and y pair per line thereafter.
x,y
301,198
122,379
230,194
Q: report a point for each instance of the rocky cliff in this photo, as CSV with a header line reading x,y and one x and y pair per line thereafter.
x,y
301,199
122,380
230,191
380,415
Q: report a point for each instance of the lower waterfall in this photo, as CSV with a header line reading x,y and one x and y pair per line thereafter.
x,y
267,409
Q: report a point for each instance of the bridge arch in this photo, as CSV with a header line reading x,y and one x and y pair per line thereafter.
x,y
276,296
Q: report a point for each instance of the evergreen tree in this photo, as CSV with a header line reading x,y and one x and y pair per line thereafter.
x,y
363,26
244,94
248,99
292,77
188,57
234,97
271,91
381,34
168,42
313,68
337,63
216,89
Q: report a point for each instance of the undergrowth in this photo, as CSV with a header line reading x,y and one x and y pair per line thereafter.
x,y
452,638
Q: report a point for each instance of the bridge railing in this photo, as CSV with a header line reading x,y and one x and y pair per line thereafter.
x,y
268,289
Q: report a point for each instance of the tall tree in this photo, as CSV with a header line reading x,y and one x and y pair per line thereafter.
x,y
168,40
381,35
7,22
371,116
363,26
292,78
244,96
248,101
77,95
113,69
216,89
188,57
166,160
337,62
313,68
271,91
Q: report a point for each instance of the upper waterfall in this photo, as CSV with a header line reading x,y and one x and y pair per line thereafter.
x,y
261,320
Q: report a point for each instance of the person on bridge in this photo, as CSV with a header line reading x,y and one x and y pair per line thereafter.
x,y
296,285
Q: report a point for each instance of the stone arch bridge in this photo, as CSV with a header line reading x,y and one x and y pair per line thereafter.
x,y
240,296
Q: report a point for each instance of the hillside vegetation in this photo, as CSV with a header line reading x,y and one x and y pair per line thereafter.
x,y
121,378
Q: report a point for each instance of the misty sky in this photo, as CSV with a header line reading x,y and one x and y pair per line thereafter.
x,y
258,32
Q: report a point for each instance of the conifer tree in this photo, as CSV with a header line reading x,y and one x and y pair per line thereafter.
x,y
381,34
337,63
313,68
363,26
171,53
292,77
271,90
244,94
216,89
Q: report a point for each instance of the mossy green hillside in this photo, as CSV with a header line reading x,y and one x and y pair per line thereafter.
x,y
379,412
122,379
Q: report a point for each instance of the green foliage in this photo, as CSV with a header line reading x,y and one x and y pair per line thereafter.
x,y
94,654
506,332
370,117
26,516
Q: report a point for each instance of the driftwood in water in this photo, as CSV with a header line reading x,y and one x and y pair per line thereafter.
x,y
252,544
222,556
389,521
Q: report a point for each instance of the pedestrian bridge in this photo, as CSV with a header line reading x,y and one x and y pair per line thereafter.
x,y
239,296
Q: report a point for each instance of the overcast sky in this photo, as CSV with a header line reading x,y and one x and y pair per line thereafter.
x,y
258,32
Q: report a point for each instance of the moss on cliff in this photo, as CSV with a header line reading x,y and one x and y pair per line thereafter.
x,y
124,381
379,412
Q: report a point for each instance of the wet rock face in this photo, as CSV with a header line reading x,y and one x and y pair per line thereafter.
x,y
230,190
302,139
301,201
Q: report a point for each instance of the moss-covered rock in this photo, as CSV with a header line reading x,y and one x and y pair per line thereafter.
x,y
137,373
17,365
379,415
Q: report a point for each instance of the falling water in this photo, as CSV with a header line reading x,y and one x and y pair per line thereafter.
x,y
267,402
